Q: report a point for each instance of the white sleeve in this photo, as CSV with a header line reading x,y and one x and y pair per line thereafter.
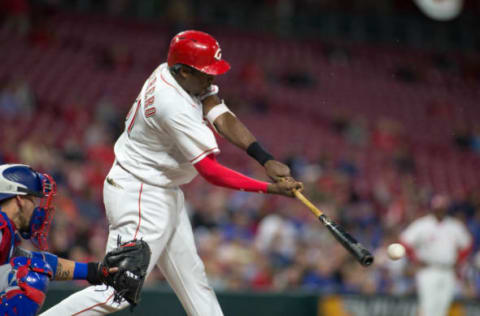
x,y
193,137
216,111
410,236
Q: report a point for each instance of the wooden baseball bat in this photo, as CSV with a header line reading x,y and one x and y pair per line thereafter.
x,y
348,242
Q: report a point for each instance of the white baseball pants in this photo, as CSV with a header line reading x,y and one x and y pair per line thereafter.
x,y
138,210
435,287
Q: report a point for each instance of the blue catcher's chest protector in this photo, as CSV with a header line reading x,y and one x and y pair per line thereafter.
x,y
28,281
28,278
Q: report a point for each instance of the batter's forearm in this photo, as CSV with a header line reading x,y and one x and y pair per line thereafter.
x,y
237,133
231,128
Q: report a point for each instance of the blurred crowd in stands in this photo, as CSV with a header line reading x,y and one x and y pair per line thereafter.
x,y
247,241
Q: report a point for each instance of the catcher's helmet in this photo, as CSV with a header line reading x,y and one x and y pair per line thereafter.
x,y
16,179
198,50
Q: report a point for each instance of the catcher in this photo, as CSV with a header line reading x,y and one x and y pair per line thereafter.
x,y
26,210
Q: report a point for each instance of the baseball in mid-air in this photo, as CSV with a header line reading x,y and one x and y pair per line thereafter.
x,y
395,251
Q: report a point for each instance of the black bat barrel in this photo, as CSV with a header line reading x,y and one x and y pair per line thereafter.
x,y
348,242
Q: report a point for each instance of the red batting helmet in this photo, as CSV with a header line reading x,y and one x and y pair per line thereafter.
x,y
198,50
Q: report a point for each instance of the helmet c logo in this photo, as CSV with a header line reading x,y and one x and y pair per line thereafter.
x,y
218,54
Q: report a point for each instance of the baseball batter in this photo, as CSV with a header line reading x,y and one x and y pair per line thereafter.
x,y
166,143
436,243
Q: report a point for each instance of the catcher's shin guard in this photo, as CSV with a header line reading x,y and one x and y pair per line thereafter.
x,y
28,280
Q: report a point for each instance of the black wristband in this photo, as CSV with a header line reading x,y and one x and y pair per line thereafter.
x,y
93,276
256,151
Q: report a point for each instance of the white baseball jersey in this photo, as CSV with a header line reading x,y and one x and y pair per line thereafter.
x,y
436,242
165,133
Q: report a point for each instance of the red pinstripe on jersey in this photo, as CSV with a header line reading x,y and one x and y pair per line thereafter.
x,y
171,85
93,306
139,210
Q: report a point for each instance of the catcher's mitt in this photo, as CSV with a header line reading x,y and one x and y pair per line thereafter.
x,y
131,258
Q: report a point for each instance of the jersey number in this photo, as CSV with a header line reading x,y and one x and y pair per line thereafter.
x,y
131,118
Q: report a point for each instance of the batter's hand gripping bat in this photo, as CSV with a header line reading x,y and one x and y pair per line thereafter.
x,y
348,242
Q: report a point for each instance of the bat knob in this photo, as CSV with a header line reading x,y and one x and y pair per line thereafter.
x,y
366,260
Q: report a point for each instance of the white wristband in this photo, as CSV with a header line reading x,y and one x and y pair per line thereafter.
x,y
216,111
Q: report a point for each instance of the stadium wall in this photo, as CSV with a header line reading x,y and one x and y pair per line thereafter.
x,y
164,302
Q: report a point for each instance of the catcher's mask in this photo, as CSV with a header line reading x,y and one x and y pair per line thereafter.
x,y
16,179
